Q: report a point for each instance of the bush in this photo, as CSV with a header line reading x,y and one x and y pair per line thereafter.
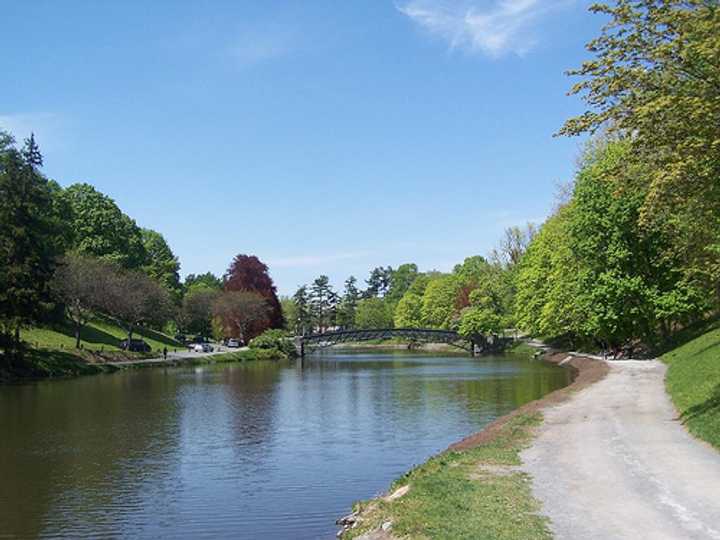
x,y
274,339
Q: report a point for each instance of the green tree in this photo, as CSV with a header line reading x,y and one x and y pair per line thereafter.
x,y
549,300
29,243
655,79
196,311
323,303
207,280
161,264
303,314
101,229
373,313
476,321
379,282
401,280
348,304
439,302
408,312
290,313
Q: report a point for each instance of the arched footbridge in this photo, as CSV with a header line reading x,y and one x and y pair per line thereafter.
x,y
415,335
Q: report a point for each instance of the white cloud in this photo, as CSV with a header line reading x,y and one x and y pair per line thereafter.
x,y
491,27
312,260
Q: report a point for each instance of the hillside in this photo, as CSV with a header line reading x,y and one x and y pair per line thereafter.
x,y
693,382
97,334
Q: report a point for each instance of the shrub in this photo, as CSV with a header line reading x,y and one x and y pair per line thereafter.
x,y
274,339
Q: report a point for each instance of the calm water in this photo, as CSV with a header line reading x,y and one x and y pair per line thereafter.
x,y
256,450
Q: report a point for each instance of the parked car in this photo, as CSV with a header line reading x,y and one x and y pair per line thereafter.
x,y
180,337
233,343
202,347
135,345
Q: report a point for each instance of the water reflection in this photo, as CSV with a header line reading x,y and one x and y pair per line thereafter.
x,y
248,450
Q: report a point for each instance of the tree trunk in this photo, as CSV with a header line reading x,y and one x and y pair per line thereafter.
x,y
77,334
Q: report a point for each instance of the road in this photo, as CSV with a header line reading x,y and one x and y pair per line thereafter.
x,y
614,462
179,356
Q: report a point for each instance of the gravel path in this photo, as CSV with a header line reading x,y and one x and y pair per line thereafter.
x,y
614,462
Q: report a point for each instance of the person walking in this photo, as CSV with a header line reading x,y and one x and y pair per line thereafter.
x,y
164,353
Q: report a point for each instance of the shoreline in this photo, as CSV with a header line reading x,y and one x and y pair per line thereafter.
x,y
586,371
71,365
374,519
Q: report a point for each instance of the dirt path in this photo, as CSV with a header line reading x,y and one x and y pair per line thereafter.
x,y
614,462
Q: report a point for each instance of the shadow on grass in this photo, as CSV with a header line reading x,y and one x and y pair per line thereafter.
x,y
709,406
688,334
157,336
89,334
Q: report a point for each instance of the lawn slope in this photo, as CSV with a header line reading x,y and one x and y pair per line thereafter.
x,y
693,382
97,334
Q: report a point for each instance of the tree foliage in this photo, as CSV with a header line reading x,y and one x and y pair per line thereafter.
x,y
242,314
30,242
80,283
595,274
248,273
196,311
101,229
161,264
347,306
373,313
132,299
303,312
322,302
655,81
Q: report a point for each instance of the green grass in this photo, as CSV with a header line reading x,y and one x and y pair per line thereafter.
x,y
693,382
97,334
473,494
248,355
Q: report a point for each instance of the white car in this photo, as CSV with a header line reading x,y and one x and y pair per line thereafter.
x,y
233,343
202,347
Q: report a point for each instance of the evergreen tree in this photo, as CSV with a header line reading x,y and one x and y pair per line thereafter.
x,y
348,304
303,321
323,303
29,245
379,282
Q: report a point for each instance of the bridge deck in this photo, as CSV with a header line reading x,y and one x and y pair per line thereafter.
x,y
422,335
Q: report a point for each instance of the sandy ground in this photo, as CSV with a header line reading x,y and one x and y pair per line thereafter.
x,y
613,462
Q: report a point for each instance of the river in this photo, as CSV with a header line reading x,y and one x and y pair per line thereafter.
x,y
255,450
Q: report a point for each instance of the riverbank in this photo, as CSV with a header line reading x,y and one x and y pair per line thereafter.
x,y
475,485
56,364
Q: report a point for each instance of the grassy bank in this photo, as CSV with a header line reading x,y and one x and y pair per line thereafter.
x,y
468,494
98,334
693,382
49,363
51,350
246,355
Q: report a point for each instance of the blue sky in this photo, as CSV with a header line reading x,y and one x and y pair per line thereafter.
x,y
323,136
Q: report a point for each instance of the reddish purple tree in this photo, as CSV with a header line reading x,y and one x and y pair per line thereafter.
x,y
248,273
